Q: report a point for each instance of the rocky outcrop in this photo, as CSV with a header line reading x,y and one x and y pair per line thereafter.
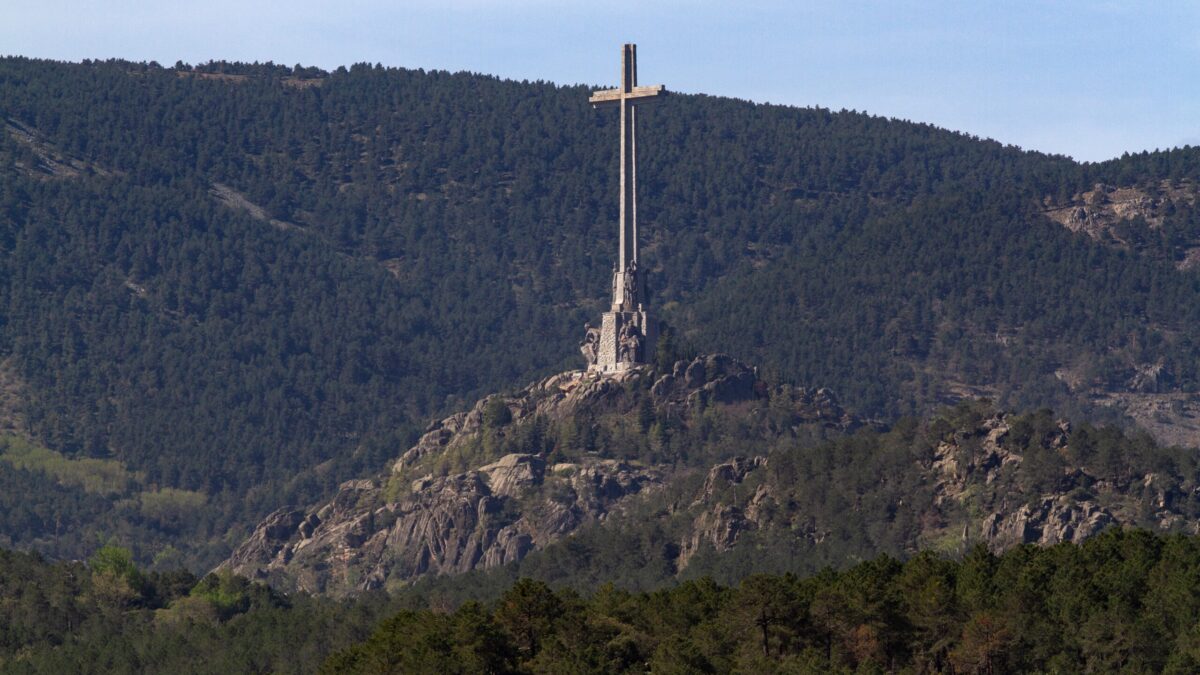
x,y
1052,520
1108,213
979,456
49,160
737,499
552,398
718,527
718,378
514,474
726,474
973,456
720,523
690,386
974,476
445,525
1151,378
976,470
420,520
1097,211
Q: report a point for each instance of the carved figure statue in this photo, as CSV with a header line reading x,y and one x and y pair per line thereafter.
x,y
591,344
631,285
629,344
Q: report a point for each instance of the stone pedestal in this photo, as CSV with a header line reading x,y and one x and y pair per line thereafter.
x,y
609,358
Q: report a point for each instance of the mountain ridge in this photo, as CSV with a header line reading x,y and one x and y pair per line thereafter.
x,y
451,226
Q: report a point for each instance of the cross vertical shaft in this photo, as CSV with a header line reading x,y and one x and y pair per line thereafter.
x,y
628,96
628,218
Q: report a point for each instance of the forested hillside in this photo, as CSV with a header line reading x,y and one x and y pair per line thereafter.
x,y
243,284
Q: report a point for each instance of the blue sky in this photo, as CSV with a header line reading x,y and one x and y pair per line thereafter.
x,y
1087,79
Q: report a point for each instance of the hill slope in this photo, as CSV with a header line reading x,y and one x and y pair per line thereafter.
x,y
706,469
252,282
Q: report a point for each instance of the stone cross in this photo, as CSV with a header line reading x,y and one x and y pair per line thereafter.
x,y
626,334
627,96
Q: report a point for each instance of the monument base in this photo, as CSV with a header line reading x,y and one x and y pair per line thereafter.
x,y
615,354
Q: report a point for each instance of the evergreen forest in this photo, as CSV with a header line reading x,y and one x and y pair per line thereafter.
x,y
1123,601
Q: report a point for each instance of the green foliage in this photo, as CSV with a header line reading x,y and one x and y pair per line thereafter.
x,y
95,476
1090,608
466,641
231,595
1122,601
116,581
63,505
670,349
528,612
170,507
496,413
112,559
65,618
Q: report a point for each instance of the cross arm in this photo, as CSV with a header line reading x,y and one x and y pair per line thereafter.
x,y
635,94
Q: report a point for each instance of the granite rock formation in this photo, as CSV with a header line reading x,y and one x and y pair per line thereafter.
x,y
983,481
416,521
444,525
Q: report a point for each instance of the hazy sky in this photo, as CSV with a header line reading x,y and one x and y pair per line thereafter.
x,y
1086,79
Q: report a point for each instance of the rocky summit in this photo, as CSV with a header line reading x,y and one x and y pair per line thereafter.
x,y
423,518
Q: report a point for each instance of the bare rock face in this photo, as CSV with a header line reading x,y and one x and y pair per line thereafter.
x,y
1053,520
446,525
272,534
1151,378
714,378
974,455
719,524
718,527
1097,211
514,474
725,474
1107,213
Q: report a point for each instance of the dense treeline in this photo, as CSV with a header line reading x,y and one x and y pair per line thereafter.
x,y
426,237
1124,601
109,616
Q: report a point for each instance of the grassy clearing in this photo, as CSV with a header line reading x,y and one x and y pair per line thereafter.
x,y
96,476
